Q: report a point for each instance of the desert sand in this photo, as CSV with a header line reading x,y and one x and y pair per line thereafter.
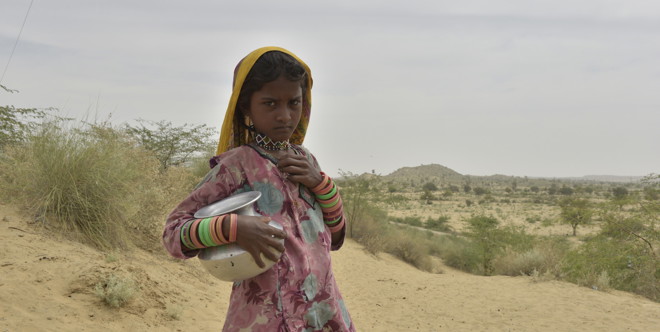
x,y
47,284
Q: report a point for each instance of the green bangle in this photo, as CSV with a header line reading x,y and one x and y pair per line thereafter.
x,y
203,230
328,195
329,205
332,222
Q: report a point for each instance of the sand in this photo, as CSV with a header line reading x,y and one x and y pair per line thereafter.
x,y
47,284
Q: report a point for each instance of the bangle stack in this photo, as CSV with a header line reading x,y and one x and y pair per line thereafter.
x,y
331,204
207,232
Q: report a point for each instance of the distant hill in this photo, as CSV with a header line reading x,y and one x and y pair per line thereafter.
x,y
609,178
443,175
425,173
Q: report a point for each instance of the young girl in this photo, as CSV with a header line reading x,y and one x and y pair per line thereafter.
x,y
260,150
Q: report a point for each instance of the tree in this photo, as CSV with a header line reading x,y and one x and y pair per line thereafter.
x,y
17,123
480,191
427,196
430,186
485,234
171,145
620,197
575,212
566,190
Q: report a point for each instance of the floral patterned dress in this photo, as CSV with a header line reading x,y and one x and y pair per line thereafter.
x,y
298,293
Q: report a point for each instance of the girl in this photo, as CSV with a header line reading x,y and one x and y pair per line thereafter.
x,y
260,150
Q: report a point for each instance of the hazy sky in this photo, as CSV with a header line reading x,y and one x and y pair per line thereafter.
x,y
525,88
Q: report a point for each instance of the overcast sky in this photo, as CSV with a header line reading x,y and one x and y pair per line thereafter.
x,y
526,88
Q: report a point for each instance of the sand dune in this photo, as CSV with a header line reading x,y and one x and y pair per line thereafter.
x,y
47,284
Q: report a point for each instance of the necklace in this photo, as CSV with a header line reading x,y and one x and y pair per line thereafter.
x,y
270,145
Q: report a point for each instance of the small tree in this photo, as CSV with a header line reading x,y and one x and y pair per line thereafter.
x,y
429,186
171,145
427,196
575,212
484,233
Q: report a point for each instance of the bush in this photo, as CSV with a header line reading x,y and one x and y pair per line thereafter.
x,y
627,264
115,291
438,224
92,183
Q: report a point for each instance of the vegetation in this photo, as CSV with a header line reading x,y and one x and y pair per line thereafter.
x,y
111,187
172,145
116,291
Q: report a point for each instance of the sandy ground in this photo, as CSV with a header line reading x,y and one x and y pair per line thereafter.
x,y
47,284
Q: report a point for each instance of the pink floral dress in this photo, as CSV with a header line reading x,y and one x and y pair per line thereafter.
x,y
298,293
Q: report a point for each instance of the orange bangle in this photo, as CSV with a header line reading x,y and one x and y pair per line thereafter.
x,y
212,228
323,183
232,228
334,208
218,229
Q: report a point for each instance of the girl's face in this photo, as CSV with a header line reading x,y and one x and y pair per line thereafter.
x,y
275,110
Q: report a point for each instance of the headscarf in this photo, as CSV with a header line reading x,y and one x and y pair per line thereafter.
x,y
233,133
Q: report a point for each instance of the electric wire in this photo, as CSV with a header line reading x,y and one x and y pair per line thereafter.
x,y
16,43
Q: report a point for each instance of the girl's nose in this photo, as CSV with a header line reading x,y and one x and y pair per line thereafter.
x,y
284,114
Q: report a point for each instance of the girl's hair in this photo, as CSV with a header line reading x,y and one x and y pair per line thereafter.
x,y
269,67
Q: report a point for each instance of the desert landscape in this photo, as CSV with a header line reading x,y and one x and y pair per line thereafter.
x,y
48,284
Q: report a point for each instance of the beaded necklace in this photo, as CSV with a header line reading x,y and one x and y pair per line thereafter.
x,y
270,145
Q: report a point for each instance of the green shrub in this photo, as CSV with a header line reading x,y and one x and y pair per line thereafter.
x,y
438,224
628,266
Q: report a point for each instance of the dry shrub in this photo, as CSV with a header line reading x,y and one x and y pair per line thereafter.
x,y
154,201
544,258
410,248
514,263
368,226
93,183
116,291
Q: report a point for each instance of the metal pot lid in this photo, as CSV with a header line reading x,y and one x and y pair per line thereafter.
x,y
229,204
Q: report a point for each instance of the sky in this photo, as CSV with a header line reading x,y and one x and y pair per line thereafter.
x,y
514,87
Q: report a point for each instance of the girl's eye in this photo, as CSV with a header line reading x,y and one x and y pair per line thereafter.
x,y
269,103
295,102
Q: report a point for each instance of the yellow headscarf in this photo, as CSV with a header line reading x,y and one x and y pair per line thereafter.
x,y
233,133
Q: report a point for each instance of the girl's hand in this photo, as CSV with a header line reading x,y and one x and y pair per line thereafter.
x,y
255,236
300,170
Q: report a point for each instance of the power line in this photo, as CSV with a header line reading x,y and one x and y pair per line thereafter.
x,y
16,43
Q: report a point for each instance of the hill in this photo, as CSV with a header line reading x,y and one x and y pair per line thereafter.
x,y
424,173
48,284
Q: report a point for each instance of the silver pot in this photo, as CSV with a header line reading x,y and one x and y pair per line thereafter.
x,y
230,262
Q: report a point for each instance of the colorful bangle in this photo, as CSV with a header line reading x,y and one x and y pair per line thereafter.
x,y
218,230
322,185
204,235
329,205
325,189
332,209
194,234
232,228
329,202
332,215
328,195
338,227
331,223
185,235
214,235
